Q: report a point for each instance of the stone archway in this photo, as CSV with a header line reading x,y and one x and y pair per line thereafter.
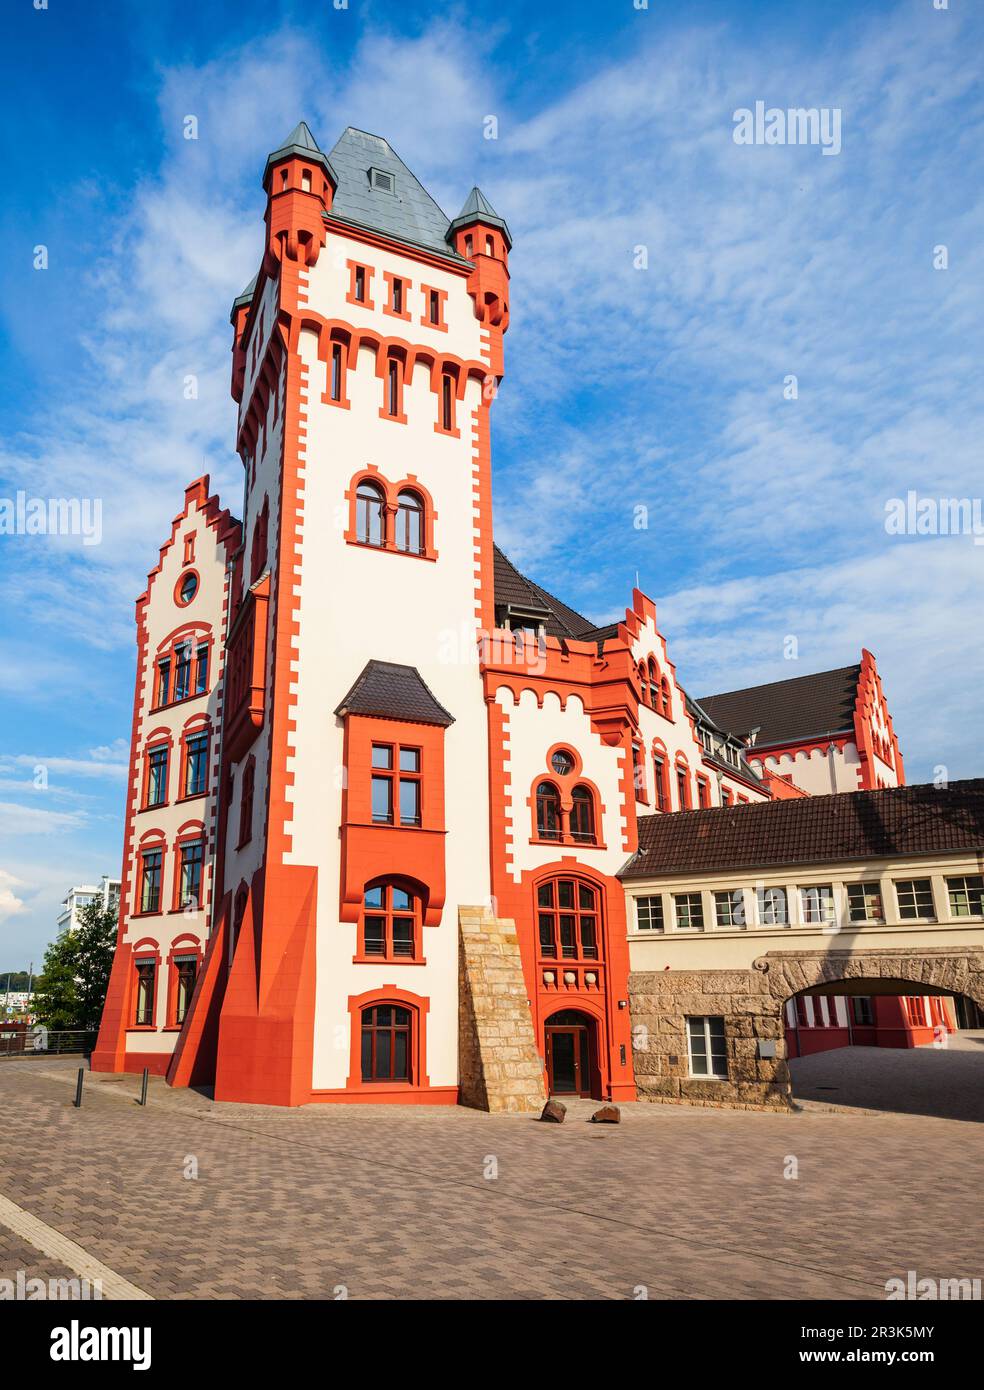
x,y
950,968
751,1003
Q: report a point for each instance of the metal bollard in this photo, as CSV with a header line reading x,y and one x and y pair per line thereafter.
x,y
143,1086
78,1089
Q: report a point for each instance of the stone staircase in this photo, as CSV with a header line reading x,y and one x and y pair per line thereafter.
x,y
499,1066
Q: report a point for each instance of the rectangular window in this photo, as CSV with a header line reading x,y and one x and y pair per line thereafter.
x,y
397,304
915,897
336,371
772,907
864,902
246,804
163,680
862,1011
548,941
683,789
703,793
817,904
150,880
708,1054
689,911
434,306
649,914
182,672
447,412
966,896
382,800
157,775
638,772
393,389
201,669
360,284
396,783
190,885
185,974
409,801
146,989
196,765
729,909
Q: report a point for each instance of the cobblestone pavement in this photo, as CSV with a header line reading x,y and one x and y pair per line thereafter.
x,y
947,1082
394,1202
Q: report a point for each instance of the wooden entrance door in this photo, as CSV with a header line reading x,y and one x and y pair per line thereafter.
x,y
568,1059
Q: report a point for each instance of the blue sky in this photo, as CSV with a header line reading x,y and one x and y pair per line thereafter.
x,y
658,387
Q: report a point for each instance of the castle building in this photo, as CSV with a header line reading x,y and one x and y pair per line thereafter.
x,y
382,784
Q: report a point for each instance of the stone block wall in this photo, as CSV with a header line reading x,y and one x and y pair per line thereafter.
x,y
662,1001
499,1067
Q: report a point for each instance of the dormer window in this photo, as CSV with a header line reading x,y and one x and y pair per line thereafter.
x,y
380,179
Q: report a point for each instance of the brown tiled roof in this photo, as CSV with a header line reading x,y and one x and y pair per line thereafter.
x,y
895,822
514,589
790,710
389,691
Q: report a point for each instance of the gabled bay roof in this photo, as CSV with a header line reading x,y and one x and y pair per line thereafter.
x,y
387,690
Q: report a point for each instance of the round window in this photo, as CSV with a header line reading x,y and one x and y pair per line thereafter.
x,y
188,587
562,763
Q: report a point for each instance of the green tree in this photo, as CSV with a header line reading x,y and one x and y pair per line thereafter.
x,y
71,989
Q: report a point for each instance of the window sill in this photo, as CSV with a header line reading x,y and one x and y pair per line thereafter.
x,y
192,796
392,550
157,806
153,912
185,699
394,419
388,960
173,1028
448,434
568,844
142,1028
402,314
425,322
340,405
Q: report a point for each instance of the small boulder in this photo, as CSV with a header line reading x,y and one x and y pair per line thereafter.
x,y
553,1112
607,1115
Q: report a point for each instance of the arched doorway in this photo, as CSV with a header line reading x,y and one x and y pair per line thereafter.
x,y
571,1054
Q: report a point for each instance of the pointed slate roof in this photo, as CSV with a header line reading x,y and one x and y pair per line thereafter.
x,y
387,690
406,212
790,710
301,141
477,208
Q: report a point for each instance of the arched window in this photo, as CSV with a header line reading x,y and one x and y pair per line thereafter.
x,y
410,523
644,682
547,811
258,557
583,816
683,785
654,685
661,779
390,921
665,704
370,514
386,1043
568,919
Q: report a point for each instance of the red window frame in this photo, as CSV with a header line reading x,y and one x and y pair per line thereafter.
x,y
395,776
405,948
562,926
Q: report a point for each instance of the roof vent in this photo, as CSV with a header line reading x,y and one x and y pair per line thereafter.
x,y
379,178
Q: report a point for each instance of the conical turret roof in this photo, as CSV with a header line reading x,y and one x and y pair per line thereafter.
x,y
477,208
